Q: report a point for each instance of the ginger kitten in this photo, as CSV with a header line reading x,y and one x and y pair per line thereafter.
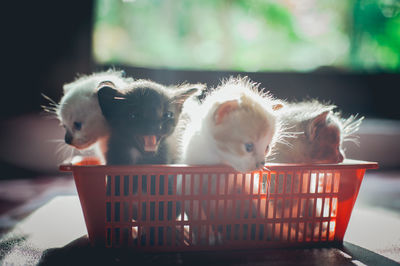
x,y
232,126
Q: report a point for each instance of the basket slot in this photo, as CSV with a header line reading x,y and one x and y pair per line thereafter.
x,y
273,183
268,231
135,211
153,185
143,211
323,231
126,208
117,236
169,184
125,236
179,184
336,182
160,236
277,231
318,207
214,185
117,189
334,204
108,211
321,179
108,237
300,232
313,182
152,236
329,182
305,182
316,229
144,187
152,211
161,185
161,210
117,211
126,185
227,232
135,185
178,213
108,185
297,182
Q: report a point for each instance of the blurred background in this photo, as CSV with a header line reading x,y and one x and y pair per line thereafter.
x,y
345,52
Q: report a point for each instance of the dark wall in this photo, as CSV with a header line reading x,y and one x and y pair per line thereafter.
x,y
372,95
48,42
45,43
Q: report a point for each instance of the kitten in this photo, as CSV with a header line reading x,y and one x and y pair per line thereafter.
x,y
140,119
79,111
322,134
232,126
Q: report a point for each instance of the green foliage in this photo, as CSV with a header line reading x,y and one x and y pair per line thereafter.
x,y
249,35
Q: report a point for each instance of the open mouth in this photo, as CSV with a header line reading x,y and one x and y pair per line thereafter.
x,y
151,143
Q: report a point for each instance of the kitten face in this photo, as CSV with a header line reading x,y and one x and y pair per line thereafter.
x,y
320,143
326,145
82,119
142,116
79,111
244,135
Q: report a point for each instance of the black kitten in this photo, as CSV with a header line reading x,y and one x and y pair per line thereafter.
x,y
140,119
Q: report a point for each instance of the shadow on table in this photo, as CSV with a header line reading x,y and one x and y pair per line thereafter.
x,y
79,252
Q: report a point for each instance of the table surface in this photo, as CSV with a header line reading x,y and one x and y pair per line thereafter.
x,y
49,230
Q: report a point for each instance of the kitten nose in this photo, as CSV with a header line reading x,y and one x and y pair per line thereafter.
x,y
68,138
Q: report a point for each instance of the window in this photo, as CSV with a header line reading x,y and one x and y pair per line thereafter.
x,y
249,35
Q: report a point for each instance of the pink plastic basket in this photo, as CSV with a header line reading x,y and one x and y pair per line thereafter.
x,y
176,207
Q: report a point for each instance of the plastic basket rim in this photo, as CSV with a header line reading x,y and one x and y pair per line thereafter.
x,y
346,164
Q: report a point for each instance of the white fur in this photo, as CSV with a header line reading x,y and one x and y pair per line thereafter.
x,y
197,144
80,104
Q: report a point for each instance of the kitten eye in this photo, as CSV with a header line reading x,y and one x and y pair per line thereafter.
x,y
169,115
77,125
249,146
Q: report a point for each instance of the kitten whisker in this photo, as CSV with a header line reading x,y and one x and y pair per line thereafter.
x,y
351,124
52,102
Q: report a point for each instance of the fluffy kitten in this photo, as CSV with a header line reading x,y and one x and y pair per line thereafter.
x,y
79,111
322,134
232,126
140,119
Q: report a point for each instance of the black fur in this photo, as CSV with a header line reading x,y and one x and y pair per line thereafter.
x,y
145,109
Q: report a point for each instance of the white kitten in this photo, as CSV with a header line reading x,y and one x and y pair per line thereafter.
x,y
79,111
235,125
322,133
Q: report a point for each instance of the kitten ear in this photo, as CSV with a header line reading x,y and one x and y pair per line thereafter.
x,y
183,94
224,109
107,96
314,124
180,97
